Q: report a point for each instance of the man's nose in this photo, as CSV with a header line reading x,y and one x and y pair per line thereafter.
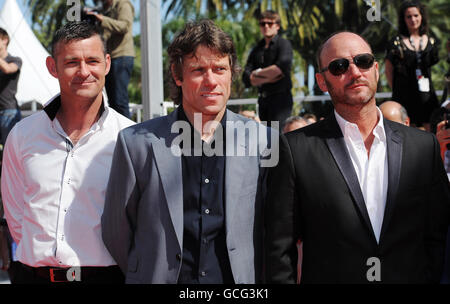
x,y
209,78
84,69
354,70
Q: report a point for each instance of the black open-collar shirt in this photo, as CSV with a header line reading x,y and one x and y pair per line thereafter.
x,y
205,255
279,53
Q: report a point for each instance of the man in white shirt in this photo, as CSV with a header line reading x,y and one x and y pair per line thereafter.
x,y
368,197
56,165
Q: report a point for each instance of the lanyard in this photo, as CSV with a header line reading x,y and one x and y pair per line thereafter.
x,y
418,52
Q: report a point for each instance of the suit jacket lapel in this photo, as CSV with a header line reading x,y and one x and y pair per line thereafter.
x,y
336,144
170,172
235,171
394,155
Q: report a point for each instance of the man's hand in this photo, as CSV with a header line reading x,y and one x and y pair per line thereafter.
x,y
269,74
96,15
256,79
443,136
8,68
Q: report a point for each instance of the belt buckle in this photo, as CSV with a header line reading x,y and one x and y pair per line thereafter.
x,y
52,276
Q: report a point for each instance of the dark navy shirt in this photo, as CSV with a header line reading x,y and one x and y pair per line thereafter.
x,y
205,255
279,53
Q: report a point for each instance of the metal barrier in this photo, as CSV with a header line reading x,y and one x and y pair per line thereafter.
x,y
138,108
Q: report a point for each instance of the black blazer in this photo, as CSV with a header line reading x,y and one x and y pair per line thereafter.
x,y
314,195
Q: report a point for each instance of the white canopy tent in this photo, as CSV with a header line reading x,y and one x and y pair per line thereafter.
x,y
35,82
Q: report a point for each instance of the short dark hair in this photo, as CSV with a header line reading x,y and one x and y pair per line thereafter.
x,y
73,31
272,15
194,34
4,34
402,27
322,45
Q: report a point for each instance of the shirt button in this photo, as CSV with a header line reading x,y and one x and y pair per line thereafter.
x,y
207,211
206,181
203,274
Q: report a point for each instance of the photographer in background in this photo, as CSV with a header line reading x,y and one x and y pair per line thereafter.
x,y
443,136
116,21
441,126
440,120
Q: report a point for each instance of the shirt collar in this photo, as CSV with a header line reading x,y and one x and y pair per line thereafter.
x,y
181,115
379,131
262,42
54,104
275,39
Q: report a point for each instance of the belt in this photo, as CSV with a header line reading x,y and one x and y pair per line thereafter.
x,y
70,274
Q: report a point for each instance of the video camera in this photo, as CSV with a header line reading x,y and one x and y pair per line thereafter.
x,y
90,18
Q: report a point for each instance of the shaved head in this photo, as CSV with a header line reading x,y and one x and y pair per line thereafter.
x,y
356,86
394,111
339,36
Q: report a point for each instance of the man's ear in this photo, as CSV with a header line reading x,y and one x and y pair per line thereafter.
x,y
321,82
51,66
377,71
108,63
407,122
174,75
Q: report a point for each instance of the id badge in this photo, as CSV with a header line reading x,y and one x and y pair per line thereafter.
x,y
424,84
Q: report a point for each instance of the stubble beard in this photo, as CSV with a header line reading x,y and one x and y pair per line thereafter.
x,y
345,99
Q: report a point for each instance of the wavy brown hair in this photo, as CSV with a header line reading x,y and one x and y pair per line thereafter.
x,y
194,34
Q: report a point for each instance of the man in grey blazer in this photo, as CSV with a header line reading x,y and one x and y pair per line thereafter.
x,y
184,199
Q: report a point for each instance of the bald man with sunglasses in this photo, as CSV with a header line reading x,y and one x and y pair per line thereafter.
x,y
368,197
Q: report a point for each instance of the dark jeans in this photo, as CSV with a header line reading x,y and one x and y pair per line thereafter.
x,y
8,118
117,82
275,107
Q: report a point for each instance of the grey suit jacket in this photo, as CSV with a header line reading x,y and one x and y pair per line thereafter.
x,y
142,223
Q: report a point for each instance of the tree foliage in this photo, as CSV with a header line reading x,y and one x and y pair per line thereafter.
x,y
306,24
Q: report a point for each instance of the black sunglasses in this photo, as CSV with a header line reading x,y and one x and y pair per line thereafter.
x,y
340,66
263,23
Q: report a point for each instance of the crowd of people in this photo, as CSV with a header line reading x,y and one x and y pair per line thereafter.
x,y
205,195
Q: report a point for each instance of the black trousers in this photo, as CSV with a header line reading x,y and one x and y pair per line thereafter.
x,y
275,107
93,275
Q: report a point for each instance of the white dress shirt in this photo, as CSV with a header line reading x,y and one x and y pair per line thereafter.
x,y
372,170
54,192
